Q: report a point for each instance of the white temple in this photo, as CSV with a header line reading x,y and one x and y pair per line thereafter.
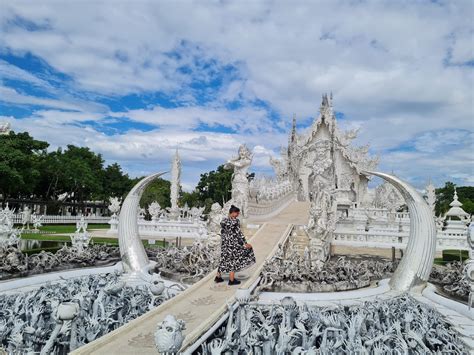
x,y
324,155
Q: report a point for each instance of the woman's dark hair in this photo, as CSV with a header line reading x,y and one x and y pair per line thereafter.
x,y
233,209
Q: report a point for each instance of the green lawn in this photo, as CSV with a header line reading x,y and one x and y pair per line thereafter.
x,y
452,255
96,240
69,228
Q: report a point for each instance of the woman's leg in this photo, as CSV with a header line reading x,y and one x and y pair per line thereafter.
x,y
231,275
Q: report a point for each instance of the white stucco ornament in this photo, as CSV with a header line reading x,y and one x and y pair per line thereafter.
x,y
169,335
240,184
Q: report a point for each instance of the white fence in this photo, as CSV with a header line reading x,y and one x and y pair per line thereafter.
x,y
53,219
386,239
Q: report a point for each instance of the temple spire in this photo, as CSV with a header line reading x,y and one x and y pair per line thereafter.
x,y
431,196
293,130
175,183
326,110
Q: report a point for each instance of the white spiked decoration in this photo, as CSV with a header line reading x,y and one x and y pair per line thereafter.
x,y
415,267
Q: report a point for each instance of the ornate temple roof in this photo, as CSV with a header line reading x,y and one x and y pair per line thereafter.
x,y
357,157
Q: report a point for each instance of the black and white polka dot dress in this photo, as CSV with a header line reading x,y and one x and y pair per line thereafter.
x,y
234,257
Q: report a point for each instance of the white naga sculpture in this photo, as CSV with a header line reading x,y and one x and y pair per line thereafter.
x,y
135,261
175,183
240,182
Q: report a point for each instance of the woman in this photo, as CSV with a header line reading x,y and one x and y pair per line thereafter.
x,y
236,253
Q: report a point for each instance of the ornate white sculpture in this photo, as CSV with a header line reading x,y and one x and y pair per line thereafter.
x,y
280,166
169,335
401,325
214,225
114,205
26,217
155,210
37,221
8,234
175,185
71,313
240,183
387,196
322,222
81,238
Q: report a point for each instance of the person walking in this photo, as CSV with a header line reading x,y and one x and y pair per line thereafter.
x,y
236,253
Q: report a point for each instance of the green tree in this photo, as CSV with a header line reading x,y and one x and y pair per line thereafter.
x,y
445,195
115,182
158,190
20,158
190,198
82,173
215,185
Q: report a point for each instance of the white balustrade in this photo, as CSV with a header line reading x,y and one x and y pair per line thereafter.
x,y
191,228
388,239
268,196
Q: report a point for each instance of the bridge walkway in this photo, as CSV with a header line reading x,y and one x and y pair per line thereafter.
x,y
202,304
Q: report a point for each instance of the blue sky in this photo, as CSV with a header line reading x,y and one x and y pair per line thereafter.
x,y
135,80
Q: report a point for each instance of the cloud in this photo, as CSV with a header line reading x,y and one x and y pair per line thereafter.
x,y
208,76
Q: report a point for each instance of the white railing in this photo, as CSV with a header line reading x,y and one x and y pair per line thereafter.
x,y
381,239
268,196
53,219
268,208
190,228
362,212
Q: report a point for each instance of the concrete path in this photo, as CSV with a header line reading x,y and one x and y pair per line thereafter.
x,y
201,305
